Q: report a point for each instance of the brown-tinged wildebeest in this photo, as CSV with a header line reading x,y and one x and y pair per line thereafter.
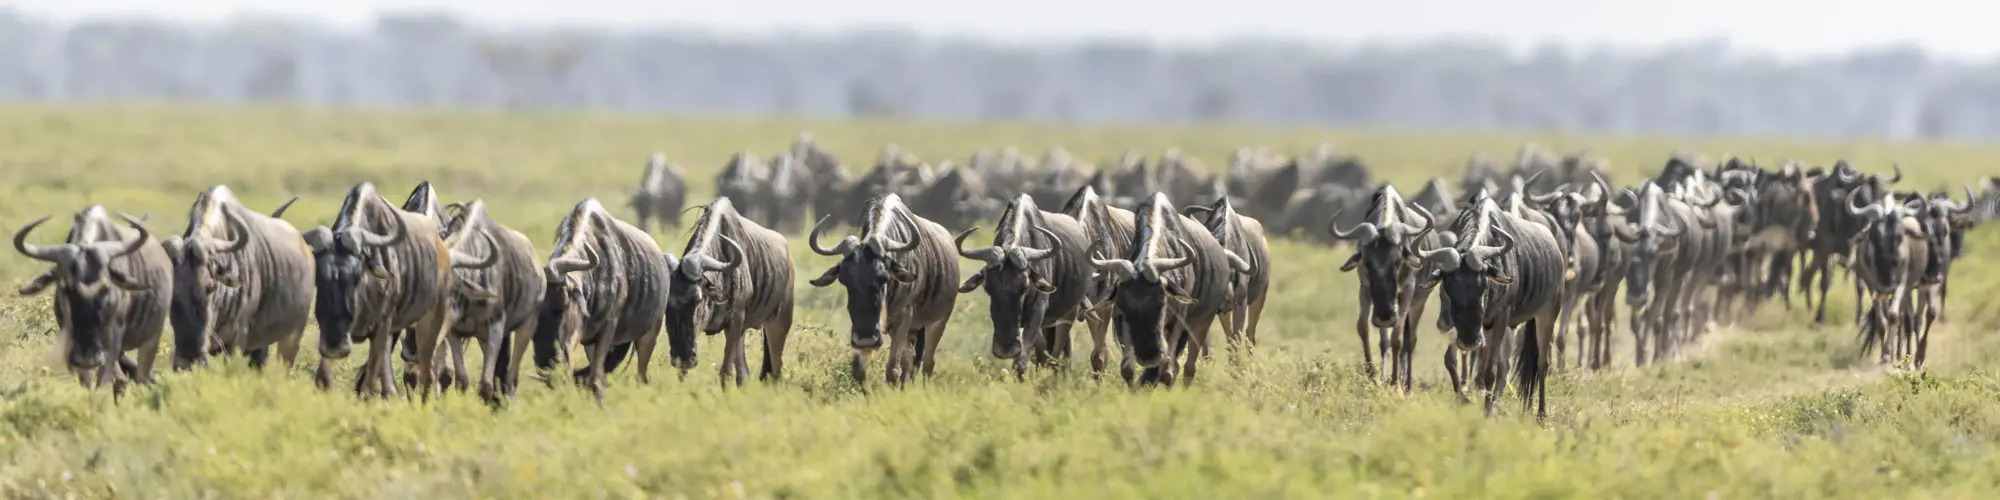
x,y
661,194
734,275
1037,275
494,300
607,290
1393,290
113,288
242,282
901,278
380,270
1504,272
1243,239
1170,287
1890,256
1112,229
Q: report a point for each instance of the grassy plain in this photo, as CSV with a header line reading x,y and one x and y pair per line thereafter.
x,y
1771,407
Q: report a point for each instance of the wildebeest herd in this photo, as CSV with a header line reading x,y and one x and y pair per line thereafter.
x,y
1527,262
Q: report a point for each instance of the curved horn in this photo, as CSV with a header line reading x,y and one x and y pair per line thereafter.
x,y
916,235
1899,173
1549,196
565,265
1846,174
237,226
988,255
1429,222
1164,265
280,212
1955,208
1121,268
1035,254
1531,179
732,247
812,239
1363,233
381,240
1866,211
1238,263
1483,252
1628,233
136,243
1446,259
463,260
52,254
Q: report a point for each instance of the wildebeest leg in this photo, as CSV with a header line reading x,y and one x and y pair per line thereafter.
x,y
492,345
643,359
892,372
518,342
1406,343
148,353
732,348
288,350
857,366
1455,372
429,332
1931,304
1197,337
775,333
1361,329
1100,354
1562,336
927,344
457,376
1639,321
1059,334
1819,268
257,357
600,355
1250,328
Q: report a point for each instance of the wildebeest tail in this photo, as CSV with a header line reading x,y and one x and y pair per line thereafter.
x,y
1529,369
503,359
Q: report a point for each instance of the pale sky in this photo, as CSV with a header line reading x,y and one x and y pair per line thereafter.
x,y
1792,28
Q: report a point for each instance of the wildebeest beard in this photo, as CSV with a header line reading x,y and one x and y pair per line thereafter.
x,y
338,278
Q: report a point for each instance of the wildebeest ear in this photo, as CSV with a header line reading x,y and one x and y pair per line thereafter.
x,y
1494,275
40,283
319,238
1178,294
1040,283
900,273
1352,262
973,282
827,278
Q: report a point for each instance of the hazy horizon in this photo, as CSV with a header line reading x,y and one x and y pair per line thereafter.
x,y
1785,28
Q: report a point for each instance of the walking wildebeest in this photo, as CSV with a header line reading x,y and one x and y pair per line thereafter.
x,y
1169,288
242,282
379,270
1392,289
901,278
1242,237
1891,253
1489,289
495,298
1112,229
751,289
607,290
662,192
1037,276
112,292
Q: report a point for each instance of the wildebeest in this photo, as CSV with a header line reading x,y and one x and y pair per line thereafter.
x,y
113,288
1171,285
607,290
1112,229
732,276
744,178
786,194
901,278
495,299
1504,272
1037,276
1600,313
1659,256
1582,260
1837,227
379,270
1891,253
242,282
959,198
1393,290
661,193
1243,242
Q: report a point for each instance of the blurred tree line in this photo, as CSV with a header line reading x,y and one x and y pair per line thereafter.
x,y
420,59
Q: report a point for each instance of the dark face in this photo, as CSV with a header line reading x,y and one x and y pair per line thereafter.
x,y
1638,276
194,285
1142,314
1382,271
866,273
1885,243
84,303
558,321
690,302
338,273
1015,301
1465,302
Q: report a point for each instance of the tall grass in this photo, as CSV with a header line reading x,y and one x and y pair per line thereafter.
x,y
1770,407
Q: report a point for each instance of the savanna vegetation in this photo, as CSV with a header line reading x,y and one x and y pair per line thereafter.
x,y
1771,406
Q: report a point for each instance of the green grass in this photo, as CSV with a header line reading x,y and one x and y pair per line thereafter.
x,y
1769,408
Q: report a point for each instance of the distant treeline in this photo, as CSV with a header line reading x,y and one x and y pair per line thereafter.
x,y
437,60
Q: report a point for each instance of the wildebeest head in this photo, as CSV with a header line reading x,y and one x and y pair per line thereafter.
x,y
868,263
345,257
1650,233
89,287
1143,288
1882,234
1008,275
1470,269
1384,250
473,294
204,265
695,295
